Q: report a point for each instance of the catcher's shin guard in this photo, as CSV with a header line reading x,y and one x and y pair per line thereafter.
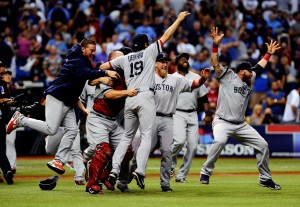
x,y
104,177
103,154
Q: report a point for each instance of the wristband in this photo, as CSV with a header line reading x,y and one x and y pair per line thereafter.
x,y
267,56
106,72
214,48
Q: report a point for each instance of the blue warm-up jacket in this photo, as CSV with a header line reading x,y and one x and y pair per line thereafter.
x,y
76,70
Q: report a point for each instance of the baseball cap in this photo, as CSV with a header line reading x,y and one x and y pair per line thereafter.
x,y
125,50
139,41
2,64
244,66
6,72
162,56
187,56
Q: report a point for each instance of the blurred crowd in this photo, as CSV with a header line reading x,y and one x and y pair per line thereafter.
x,y
36,34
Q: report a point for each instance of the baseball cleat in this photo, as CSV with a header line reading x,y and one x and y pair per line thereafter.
x,y
112,178
166,189
204,179
13,123
108,185
79,182
270,184
139,179
123,189
180,180
9,177
94,189
56,166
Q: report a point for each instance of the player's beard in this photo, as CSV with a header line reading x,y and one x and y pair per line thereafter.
x,y
247,80
184,67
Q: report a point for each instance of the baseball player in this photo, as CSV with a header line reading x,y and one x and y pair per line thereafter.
x,y
167,89
229,121
61,97
186,120
139,73
105,132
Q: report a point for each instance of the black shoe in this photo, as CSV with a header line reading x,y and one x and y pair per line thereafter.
x,y
270,184
123,189
9,177
204,179
112,179
139,179
166,189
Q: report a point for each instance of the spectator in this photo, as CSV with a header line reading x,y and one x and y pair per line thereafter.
x,y
256,117
58,15
201,62
146,28
291,111
275,100
124,29
52,65
231,44
113,44
59,43
102,56
268,117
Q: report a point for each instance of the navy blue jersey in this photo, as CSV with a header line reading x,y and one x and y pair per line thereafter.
x,y
76,70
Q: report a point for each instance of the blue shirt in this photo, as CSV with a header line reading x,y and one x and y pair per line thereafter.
x,y
276,109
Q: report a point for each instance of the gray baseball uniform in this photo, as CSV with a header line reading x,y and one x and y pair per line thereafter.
x,y
186,126
139,73
166,95
229,121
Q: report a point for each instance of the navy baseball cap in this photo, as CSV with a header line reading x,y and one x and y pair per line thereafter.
x,y
244,66
162,56
187,56
139,41
125,50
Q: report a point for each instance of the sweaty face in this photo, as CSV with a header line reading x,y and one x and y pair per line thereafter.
x,y
162,68
89,51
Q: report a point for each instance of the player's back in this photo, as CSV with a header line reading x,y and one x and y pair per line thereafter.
x,y
139,67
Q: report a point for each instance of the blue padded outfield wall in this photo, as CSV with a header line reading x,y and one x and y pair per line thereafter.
x,y
283,140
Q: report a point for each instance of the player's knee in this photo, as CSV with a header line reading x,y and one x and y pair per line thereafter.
x,y
103,152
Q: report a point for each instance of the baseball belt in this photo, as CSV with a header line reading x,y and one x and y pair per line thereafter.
x,y
163,115
187,111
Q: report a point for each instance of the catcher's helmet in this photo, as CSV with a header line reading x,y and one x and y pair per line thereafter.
x,y
49,183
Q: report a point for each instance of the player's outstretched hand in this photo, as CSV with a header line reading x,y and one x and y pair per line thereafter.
x,y
205,73
182,15
112,74
216,38
132,92
272,47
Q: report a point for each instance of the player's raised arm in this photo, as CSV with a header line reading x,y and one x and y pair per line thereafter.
x,y
271,49
171,30
214,60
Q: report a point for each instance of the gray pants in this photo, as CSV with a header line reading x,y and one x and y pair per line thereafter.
x,y
57,114
163,130
52,144
139,110
185,131
100,130
244,133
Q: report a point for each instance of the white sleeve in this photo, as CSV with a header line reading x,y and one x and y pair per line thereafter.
x,y
117,62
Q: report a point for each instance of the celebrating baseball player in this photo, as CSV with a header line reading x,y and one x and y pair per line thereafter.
x,y
61,98
186,119
167,89
105,132
139,73
229,121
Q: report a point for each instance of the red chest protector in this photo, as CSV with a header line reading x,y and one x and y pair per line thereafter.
x,y
111,108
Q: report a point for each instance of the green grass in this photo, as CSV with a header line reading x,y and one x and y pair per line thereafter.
x,y
227,187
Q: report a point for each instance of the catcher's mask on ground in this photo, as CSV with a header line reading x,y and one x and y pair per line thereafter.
x,y
49,183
